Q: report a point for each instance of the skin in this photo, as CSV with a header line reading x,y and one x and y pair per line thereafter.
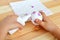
x,y
10,23
48,25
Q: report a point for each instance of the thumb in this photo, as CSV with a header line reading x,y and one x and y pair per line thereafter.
x,y
19,25
39,22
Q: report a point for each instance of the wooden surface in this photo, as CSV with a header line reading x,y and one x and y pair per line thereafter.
x,y
29,33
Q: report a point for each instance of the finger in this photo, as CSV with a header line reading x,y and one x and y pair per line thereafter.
x,y
44,16
42,13
19,25
10,17
37,27
39,22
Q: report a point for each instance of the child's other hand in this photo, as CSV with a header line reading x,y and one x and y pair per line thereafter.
x,y
10,22
46,23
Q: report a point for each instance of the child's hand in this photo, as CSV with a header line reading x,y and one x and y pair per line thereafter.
x,y
10,22
46,23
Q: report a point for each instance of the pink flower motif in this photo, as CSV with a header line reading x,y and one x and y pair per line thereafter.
x,y
39,14
34,12
32,6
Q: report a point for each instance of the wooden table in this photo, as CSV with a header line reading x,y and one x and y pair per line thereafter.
x,y
28,33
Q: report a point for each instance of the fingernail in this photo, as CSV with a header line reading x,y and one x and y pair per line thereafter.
x,y
37,20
